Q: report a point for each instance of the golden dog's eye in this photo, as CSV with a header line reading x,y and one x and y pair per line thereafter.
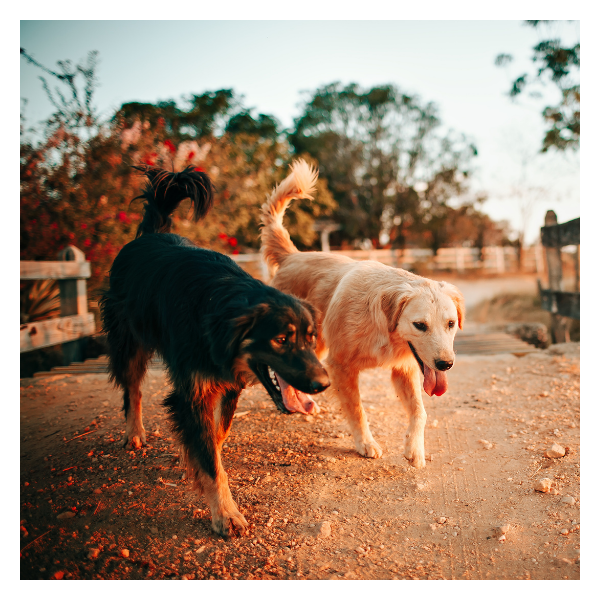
x,y
451,324
421,326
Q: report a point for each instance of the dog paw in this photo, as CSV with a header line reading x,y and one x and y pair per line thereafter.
x,y
415,457
225,524
369,448
135,439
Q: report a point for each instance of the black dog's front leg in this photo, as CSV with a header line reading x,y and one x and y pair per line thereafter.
x,y
193,417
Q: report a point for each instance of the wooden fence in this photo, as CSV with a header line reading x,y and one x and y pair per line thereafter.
x,y
75,322
490,261
561,304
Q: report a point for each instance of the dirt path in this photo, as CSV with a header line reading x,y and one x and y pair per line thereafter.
x,y
290,474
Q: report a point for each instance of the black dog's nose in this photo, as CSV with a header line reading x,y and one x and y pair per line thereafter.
x,y
319,385
443,365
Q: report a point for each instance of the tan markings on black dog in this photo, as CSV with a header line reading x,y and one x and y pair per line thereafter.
x,y
215,327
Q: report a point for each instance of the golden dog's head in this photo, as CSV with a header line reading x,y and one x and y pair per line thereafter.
x,y
426,315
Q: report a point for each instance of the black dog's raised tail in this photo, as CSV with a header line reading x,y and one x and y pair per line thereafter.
x,y
166,190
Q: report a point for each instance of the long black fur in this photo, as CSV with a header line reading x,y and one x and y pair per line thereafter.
x,y
205,316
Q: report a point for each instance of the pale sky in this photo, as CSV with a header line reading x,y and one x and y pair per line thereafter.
x,y
271,63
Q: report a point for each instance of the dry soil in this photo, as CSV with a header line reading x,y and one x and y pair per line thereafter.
x,y
93,510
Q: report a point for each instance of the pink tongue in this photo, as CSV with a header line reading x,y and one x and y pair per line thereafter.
x,y
295,400
435,383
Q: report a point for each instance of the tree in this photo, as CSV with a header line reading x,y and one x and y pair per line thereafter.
x,y
558,64
77,183
383,157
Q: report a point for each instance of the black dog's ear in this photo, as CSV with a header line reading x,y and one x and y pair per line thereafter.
x,y
314,312
227,334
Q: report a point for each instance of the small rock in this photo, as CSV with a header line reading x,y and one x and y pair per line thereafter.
x,y
487,445
555,451
421,486
200,549
543,485
504,528
435,424
97,491
94,552
359,550
66,515
153,529
568,500
442,520
323,529
124,553
564,532
433,526
502,538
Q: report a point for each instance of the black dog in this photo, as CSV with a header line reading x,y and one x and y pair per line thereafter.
x,y
217,329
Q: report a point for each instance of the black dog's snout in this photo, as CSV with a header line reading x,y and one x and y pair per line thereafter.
x,y
443,365
319,385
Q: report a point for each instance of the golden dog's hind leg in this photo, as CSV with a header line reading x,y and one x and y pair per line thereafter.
x,y
407,383
344,383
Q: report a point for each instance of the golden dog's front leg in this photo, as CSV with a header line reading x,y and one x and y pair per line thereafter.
x,y
344,383
407,383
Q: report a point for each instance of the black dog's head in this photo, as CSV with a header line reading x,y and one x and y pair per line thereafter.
x,y
276,339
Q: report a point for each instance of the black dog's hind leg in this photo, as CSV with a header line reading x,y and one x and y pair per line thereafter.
x,y
202,421
128,363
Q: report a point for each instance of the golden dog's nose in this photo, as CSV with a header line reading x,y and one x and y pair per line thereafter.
x,y
443,365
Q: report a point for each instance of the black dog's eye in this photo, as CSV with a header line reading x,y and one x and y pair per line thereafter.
x,y
281,340
421,326
312,338
451,324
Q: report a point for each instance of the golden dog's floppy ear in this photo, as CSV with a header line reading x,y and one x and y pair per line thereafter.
x,y
393,302
457,298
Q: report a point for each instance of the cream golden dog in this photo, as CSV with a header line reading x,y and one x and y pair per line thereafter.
x,y
371,315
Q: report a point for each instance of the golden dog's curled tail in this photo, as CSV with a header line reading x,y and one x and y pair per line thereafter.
x,y
275,239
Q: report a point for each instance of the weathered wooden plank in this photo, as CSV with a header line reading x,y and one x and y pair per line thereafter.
x,y
565,304
559,235
33,269
41,334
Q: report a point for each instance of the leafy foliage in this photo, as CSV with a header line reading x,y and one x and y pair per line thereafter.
x,y
77,183
385,169
39,300
376,149
558,64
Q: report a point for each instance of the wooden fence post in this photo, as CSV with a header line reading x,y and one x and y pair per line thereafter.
x,y
560,329
500,268
73,301
539,259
